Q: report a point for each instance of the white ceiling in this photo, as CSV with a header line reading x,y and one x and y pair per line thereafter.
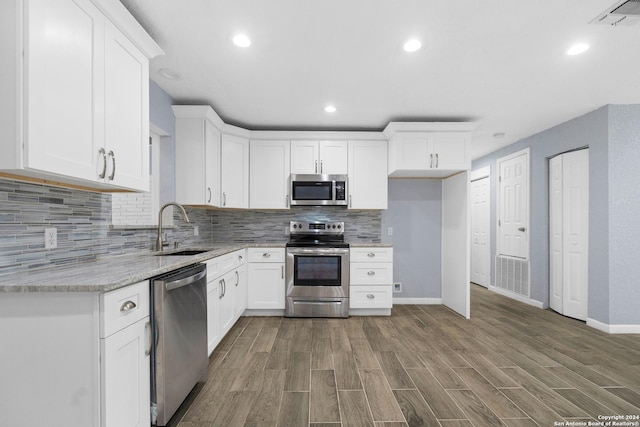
x,y
499,63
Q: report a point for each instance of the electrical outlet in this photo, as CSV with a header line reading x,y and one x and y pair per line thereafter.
x,y
50,238
390,231
196,230
397,287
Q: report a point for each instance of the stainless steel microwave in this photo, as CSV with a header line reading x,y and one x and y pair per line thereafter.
x,y
318,190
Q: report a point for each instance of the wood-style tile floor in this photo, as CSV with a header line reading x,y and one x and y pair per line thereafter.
x,y
511,365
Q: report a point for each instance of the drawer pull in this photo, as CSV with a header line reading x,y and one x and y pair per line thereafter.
x,y
371,254
147,328
128,306
371,273
371,296
266,255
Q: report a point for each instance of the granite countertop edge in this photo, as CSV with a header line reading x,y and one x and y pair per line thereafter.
x,y
113,272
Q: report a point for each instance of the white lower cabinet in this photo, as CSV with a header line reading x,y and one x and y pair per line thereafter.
x,y
226,294
371,280
266,279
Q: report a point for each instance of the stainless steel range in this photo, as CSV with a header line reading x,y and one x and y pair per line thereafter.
x,y
317,270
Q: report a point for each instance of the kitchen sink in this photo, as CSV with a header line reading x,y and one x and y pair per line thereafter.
x,y
185,252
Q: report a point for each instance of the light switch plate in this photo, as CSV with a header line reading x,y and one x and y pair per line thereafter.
x,y
50,238
196,230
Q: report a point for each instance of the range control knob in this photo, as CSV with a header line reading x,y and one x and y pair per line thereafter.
x,y
339,226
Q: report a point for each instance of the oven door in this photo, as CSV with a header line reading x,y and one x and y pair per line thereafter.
x,y
317,272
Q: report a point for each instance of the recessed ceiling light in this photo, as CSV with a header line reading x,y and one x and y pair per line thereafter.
x,y
330,109
577,49
412,45
168,73
241,40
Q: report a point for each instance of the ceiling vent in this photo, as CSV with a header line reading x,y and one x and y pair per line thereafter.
x,y
626,12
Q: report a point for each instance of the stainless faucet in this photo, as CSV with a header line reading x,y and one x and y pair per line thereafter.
x,y
159,242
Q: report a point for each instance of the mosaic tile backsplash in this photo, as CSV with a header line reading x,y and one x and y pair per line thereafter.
x,y
83,221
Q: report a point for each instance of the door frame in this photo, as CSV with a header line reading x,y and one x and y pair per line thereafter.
x,y
476,175
526,151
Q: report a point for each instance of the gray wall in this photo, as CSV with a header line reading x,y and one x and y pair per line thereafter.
x,y
611,133
624,214
415,213
161,115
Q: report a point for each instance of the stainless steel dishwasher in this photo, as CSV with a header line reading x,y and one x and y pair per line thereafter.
x,y
179,326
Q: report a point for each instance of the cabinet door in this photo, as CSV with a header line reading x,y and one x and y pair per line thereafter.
x,y
212,165
214,330
304,157
266,286
269,174
450,150
368,175
235,172
333,157
412,151
226,302
125,377
240,292
64,63
126,112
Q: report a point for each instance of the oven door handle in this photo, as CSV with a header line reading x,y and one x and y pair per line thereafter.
x,y
318,251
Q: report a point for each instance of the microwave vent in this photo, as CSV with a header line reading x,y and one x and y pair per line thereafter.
x,y
626,12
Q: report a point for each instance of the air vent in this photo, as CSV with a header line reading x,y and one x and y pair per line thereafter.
x,y
626,12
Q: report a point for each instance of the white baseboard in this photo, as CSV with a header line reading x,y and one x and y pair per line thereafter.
x,y
369,312
613,329
418,301
516,297
256,313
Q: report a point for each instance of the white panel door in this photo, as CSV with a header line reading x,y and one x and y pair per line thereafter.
x,y
569,233
64,56
235,172
480,264
333,157
126,111
555,233
368,186
455,244
269,175
304,157
513,206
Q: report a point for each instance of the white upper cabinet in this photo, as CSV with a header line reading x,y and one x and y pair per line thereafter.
x,y
326,157
428,149
269,174
368,185
197,156
235,171
75,106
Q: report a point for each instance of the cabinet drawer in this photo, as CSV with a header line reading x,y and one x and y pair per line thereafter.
x,y
123,307
266,254
371,273
220,265
371,254
370,297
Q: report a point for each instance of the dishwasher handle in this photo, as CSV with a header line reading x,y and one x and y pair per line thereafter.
x,y
169,286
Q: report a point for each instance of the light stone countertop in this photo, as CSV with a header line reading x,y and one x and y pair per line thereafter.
x,y
109,273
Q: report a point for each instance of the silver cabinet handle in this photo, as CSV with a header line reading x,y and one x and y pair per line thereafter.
x,y
224,199
287,200
240,258
371,254
437,160
521,229
221,290
282,271
104,163
371,273
147,328
371,296
321,166
113,162
350,201
210,194
237,278
128,306
431,161
316,166
266,255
